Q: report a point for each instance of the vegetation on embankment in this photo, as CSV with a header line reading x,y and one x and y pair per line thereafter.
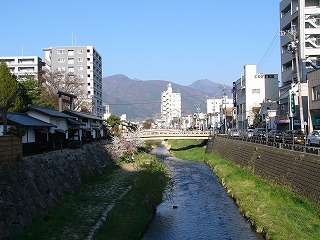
x,y
77,214
273,210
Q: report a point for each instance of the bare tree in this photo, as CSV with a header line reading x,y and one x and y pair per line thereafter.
x,y
55,81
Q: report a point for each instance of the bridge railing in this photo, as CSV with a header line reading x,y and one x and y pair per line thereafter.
x,y
176,133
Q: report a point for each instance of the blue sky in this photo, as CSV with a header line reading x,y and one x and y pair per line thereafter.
x,y
175,40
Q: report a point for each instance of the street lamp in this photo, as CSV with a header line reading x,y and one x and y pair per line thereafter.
x,y
267,120
305,135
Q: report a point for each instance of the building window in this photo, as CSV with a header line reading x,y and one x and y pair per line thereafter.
x,y
80,59
256,91
316,93
70,60
80,51
70,53
80,68
71,69
61,60
60,51
81,76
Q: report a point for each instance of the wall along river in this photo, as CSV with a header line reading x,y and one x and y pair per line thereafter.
x,y
197,206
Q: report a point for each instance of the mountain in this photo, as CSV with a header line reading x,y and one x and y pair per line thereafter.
x,y
141,99
212,88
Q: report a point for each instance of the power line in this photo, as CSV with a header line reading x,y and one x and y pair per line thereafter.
x,y
268,52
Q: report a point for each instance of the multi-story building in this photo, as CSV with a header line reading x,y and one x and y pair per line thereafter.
x,y
22,66
314,100
170,106
252,89
299,25
86,63
216,112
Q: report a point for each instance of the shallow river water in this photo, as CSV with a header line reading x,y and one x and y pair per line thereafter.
x,y
198,207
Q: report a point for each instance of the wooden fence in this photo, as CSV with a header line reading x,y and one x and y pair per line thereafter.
x,y
10,148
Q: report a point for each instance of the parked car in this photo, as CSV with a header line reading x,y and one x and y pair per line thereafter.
x,y
233,132
259,133
294,136
314,138
275,135
247,133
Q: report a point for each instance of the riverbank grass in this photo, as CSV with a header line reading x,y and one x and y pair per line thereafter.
x,y
78,212
274,210
131,216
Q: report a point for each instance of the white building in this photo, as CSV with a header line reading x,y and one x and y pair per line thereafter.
x,y
170,106
300,20
252,89
22,66
216,108
83,61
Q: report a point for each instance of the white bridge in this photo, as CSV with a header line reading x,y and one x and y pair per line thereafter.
x,y
161,134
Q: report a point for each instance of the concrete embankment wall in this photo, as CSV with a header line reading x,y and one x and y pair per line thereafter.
x,y
29,187
297,170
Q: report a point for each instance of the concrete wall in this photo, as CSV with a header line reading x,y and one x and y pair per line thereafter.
x,y
29,187
300,171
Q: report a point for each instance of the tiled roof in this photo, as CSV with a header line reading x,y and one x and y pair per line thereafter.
x,y
82,115
24,120
75,122
46,111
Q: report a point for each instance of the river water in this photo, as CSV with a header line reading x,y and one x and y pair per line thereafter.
x,y
198,207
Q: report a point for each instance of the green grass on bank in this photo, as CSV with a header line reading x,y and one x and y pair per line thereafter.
x,y
130,217
274,210
78,212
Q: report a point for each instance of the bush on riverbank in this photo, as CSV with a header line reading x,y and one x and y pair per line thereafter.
x,y
274,210
75,216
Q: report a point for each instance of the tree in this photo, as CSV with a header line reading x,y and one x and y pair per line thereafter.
x,y
256,120
114,122
33,93
8,88
55,81
148,123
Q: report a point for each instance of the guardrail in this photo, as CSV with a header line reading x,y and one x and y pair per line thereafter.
x,y
282,145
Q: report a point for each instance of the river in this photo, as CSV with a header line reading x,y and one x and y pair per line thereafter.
x,y
198,207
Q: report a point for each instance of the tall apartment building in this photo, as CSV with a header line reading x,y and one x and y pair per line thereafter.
x,y
83,61
301,17
170,105
252,89
22,66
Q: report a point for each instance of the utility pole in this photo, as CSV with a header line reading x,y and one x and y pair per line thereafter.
x,y
223,86
293,47
198,108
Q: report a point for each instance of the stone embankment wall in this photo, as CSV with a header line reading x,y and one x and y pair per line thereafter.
x,y
297,170
29,187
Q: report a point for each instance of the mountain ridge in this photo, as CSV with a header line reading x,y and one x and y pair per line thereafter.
x,y
141,99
